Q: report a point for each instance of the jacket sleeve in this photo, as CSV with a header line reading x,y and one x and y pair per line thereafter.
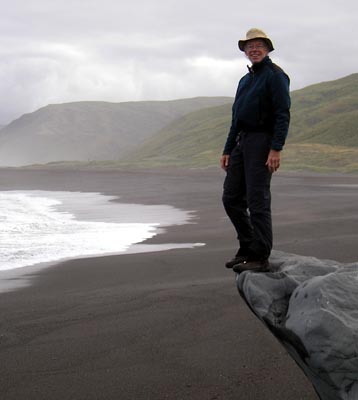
x,y
281,104
234,130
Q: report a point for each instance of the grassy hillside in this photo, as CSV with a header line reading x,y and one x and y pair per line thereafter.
x,y
323,134
85,131
326,113
194,140
191,132
320,158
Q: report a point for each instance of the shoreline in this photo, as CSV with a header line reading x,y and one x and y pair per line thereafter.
x,y
86,208
164,324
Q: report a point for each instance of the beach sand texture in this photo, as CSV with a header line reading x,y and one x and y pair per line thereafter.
x,y
164,325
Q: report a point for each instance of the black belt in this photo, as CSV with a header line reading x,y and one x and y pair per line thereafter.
x,y
242,133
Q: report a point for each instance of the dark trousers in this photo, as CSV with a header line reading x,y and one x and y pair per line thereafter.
x,y
247,196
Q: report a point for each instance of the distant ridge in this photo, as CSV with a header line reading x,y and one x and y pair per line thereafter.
x,y
86,131
196,139
323,134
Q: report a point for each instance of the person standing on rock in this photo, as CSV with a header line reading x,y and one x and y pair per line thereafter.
x,y
259,127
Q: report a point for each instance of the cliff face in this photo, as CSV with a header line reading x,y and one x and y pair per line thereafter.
x,y
311,306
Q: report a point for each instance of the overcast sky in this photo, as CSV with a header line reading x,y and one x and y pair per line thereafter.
x,y
56,51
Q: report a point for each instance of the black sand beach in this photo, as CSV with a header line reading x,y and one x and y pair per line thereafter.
x,y
165,325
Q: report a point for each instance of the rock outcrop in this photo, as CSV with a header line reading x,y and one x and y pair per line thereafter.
x,y
311,306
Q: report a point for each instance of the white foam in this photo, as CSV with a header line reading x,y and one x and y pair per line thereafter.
x,y
41,226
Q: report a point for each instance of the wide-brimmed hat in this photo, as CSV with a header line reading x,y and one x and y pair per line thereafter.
x,y
255,33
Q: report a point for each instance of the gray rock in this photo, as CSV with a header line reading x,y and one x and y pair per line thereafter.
x,y
311,306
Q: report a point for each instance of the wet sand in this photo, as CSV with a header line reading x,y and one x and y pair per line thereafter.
x,y
164,325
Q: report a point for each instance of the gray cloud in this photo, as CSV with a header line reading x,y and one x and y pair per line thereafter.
x,y
115,50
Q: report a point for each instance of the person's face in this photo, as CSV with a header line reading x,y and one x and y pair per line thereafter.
x,y
256,50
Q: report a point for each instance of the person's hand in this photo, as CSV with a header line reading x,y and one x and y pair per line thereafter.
x,y
224,161
273,160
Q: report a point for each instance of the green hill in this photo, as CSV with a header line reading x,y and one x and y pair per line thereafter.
x,y
90,130
323,134
326,113
193,140
189,132
324,128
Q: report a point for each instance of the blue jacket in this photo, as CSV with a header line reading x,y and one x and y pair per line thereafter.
x,y
262,104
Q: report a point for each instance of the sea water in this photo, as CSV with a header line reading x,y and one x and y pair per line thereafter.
x,y
44,226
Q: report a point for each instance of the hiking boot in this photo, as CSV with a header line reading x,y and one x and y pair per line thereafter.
x,y
262,265
240,257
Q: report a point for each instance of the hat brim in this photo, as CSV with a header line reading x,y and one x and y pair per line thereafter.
x,y
242,43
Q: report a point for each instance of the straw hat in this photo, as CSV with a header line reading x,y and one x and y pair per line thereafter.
x,y
255,33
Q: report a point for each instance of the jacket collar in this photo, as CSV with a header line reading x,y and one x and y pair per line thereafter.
x,y
257,67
